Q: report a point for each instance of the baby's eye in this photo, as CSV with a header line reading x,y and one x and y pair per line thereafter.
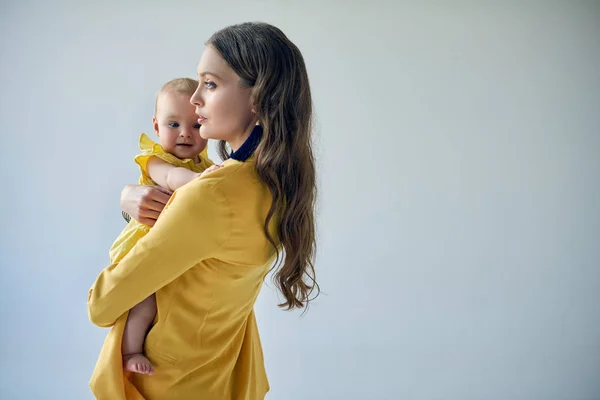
x,y
196,126
174,124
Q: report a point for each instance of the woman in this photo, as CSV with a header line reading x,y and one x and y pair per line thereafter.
x,y
216,239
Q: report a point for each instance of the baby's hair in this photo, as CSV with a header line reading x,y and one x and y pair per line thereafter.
x,y
180,85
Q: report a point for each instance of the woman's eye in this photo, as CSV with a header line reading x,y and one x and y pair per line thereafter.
x,y
174,124
210,84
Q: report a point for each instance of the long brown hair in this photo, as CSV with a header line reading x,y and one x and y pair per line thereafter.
x,y
268,62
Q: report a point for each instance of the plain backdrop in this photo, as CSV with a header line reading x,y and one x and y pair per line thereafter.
x,y
458,149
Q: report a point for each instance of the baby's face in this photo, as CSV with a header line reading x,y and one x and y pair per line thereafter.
x,y
176,125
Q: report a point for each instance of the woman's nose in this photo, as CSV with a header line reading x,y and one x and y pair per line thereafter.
x,y
196,98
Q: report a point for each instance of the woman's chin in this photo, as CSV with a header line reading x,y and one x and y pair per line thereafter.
x,y
210,135
204,134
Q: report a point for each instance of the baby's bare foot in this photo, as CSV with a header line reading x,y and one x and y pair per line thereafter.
x,y
137,363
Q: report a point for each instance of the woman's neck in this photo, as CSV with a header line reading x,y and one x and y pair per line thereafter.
x,y
238,141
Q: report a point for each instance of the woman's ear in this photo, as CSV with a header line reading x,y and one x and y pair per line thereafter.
x,y
254,105
253,101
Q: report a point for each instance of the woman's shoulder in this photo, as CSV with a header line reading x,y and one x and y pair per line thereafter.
x,y
235,174
233,179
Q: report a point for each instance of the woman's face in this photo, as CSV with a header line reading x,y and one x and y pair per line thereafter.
x,y
223,105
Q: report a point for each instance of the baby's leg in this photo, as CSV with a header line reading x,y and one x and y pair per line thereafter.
x,y
138,323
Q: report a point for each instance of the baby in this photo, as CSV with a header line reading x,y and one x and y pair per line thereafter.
x,y
179,158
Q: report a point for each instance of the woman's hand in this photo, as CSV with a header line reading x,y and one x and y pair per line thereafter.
x,y
144,203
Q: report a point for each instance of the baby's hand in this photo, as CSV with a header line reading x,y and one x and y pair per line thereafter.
x,y
210,169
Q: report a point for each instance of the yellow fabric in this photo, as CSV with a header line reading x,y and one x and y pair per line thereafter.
x,y
152,149
205,258
107,379
134,230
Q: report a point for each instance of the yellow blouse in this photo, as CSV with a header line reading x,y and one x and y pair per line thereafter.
x,y
206,259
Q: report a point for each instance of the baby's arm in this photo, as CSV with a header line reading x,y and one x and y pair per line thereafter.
x,y
169,176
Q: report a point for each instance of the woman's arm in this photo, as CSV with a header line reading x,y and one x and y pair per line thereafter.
x,y
173,246
144,203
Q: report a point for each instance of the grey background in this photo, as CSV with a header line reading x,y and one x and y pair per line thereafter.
x,y
459,170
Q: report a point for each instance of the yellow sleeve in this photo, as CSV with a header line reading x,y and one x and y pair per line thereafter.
x,y
174,245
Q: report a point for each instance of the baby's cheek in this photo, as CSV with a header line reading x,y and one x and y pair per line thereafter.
x,y
168,138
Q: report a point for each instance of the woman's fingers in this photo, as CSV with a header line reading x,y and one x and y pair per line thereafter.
x,y
151,214
144,203
162,189
161,197
147,221
157,194
154,199
152,205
